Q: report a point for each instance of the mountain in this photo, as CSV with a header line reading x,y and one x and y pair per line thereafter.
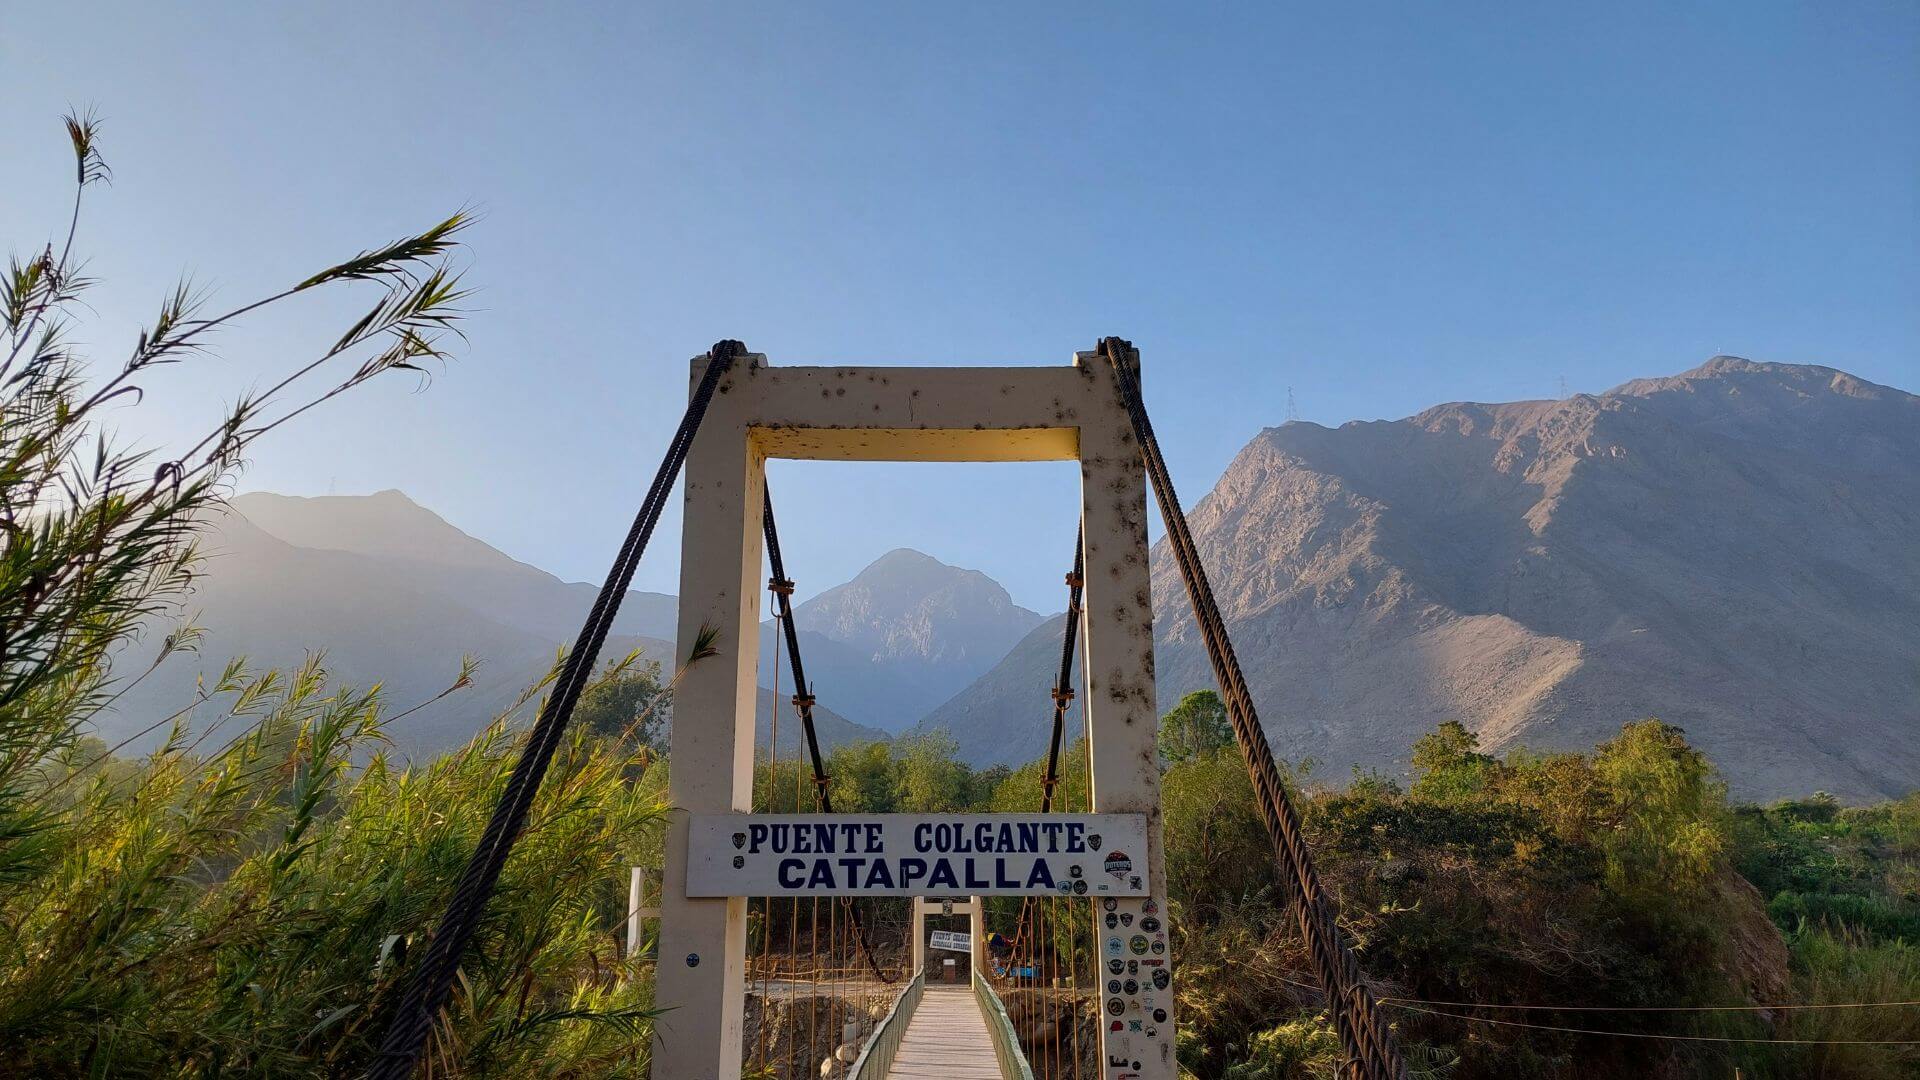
x,y
405,537
1735,549
904,635
391,593
1005,717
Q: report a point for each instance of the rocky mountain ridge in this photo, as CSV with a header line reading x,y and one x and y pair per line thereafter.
x,y
1732,549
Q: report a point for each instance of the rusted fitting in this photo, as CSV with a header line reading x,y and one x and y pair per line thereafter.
x,y
780,585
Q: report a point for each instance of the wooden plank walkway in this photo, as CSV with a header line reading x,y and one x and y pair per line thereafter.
x,y
947,1039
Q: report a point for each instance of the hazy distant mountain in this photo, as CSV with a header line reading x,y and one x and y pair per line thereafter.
x,y
1006,715
391,593
1735,550
904,635
410,539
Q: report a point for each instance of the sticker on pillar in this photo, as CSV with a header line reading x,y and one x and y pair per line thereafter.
x,y
1150,924
1138,945
1113,921
1116,967
1118,864
1159,1016
1113,946
1115,1007
1161,978
1126,919
1159,947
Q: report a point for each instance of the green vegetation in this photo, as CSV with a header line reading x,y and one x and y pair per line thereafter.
x,y
1621,878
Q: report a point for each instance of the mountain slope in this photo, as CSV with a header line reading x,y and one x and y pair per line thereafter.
x,y
401,534
1731,549
391,594
1006,716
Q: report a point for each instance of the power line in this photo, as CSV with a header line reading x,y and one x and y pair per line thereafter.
x,y
1651,1035
1660,1008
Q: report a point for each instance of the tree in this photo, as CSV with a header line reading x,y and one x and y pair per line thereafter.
x,y
931,780
1197,725
1448,764
1672,824
625,702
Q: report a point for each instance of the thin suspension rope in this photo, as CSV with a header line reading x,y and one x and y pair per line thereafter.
x,y
1062,694
1368,1041
803,701
1660,1035
432,978
766,902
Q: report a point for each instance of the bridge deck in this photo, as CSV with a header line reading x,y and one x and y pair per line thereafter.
x,y
947,1039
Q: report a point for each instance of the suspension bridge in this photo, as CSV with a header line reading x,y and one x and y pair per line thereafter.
x,y
826,944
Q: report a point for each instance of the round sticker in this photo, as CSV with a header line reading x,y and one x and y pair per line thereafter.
x,y
1109,903
1113,945
1132,987
1150,924
1159,947
1159,1016
1138,944
1113,986
1115,1007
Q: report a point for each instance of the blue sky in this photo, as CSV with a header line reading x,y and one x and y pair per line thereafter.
x,y
1380,206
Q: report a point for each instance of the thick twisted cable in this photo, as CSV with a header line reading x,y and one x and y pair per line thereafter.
x,y
432,979
1355,1015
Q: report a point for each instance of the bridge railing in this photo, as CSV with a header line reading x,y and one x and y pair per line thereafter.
x,y
876,1057
1006,1044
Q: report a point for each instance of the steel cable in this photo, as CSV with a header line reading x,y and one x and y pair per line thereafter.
x,y
1369,1044
432,979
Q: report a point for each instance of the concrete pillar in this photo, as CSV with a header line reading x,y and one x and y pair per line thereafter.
x,y
1121,710
977,927
918,930
702,967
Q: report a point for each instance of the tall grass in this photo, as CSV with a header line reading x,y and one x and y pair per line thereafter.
x,y
243,901
250,912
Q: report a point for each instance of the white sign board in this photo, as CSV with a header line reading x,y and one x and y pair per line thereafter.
x,y
950,941
917,854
